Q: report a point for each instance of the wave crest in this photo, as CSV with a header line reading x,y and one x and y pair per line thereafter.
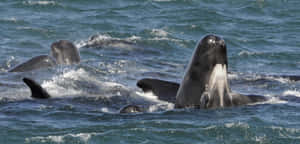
x,y
30,2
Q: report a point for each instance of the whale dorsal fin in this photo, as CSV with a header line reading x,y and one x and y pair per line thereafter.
x,y
164,90
36,90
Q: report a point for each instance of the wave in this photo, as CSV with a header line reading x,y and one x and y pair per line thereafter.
x,y
291,92
272,100
162,0
247,53
162,35
237,125
30,2
159,32
290,130
270,54
271,78
157,105
9,19
34,29
258,77
82,137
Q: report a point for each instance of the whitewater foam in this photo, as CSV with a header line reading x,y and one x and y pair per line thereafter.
x,y
30,2
272,100
291,92
246,53
83,137
56,91
79,82
238,124
157,104
133,38
10,19
159,32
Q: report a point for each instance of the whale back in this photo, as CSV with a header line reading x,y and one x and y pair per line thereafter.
x,y
42,61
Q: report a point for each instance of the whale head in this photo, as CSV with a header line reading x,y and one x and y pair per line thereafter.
x,y
205,83
65,52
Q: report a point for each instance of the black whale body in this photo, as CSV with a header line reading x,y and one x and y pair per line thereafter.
x,y
204,84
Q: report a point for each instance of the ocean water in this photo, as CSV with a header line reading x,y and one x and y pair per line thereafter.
x,y
262,38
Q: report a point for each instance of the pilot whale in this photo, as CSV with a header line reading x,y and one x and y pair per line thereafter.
x,y
62,52
205,83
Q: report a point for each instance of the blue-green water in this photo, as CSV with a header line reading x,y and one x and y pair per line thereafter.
x,y
262,38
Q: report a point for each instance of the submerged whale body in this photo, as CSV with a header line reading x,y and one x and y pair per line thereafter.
x,y
38,92
205,83
62,52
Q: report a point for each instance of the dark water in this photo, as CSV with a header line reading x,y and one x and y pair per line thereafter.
x,y
262,38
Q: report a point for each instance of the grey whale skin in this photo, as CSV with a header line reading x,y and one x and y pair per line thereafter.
x,y
204,84
62,52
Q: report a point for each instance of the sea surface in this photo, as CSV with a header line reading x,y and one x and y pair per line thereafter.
x,y
148,39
